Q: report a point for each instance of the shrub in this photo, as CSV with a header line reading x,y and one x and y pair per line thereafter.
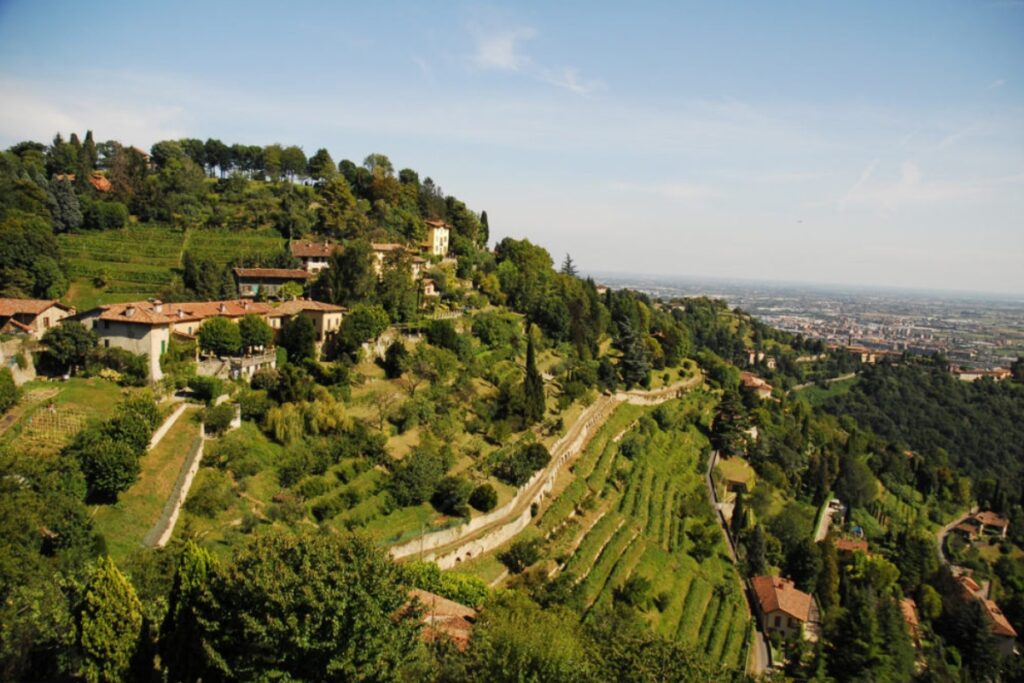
x,y
133,367
109,466
484,498
254,405
265,379
218,418
517,468
520,555
416,478
206,389
298,338
396,360
211,496
313,487
8,390
452,496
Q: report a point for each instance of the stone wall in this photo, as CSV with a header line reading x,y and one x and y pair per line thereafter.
x,y
16,355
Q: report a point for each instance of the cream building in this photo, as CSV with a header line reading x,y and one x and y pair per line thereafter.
x,y
437,238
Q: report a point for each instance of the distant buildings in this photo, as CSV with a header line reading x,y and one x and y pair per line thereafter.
x,y
31,317
436,243
326,318
313,254
754,383
1005,635
973,375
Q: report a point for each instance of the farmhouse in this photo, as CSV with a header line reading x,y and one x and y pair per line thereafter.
x,y
756,384
267,282
146,326
436,243
849,546
782,608
31,317
430,289
993,522
326,317
314,255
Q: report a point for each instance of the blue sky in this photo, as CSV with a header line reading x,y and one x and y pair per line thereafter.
x,y
858,143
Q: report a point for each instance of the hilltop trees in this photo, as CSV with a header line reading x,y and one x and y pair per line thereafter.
x,y
533,386
110,621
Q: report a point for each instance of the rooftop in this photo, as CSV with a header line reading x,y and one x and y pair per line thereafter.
x,y
157,313
9,307
295,306
309,248
776,594
279,273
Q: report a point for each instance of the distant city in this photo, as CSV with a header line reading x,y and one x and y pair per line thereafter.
x,y
971,330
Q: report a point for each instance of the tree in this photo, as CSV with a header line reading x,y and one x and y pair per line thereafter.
x,y
321,165
8,390
739,516
183,649
298,338
452,496
67,213
483,498
520,555
268,616
856,483
533,386
568,267
28,258
351,276
110,618
828,578
757,563
254,332
363,323
416,478
109,465
635,366
293,162
396,360
69,344
1017,369
220,337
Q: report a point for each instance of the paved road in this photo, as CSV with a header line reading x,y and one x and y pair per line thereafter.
x,y
940,536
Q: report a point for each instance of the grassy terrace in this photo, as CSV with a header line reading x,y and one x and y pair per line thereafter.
x,y
124,524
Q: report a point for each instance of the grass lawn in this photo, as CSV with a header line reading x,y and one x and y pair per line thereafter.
x,y
815,395
124,523
736,469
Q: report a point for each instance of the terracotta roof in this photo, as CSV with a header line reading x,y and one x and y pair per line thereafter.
x,y
909,609
989,518
9,307
436,223
777,594
386,246
1000,624
279,273
444,617
307,248
969,584
12,326
146,313
296,306
850,545
100,182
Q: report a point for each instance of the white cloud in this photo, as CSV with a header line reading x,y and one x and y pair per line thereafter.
x,y
911,189
998,83
500,50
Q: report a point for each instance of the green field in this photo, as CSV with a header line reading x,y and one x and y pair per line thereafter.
x,y
816,395
139,260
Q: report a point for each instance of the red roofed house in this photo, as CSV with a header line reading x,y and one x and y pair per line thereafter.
x,y
783,609
444,618
756,384
146,326
993,521
267,281
31,317
313,255
848,546
1006,635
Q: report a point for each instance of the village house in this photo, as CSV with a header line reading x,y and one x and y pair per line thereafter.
x,y
326,317
782,608
754,383
267,282
146,327
436,243
314,255
973,375
992,522
1005,635
443,618
31,317
849,546
429,288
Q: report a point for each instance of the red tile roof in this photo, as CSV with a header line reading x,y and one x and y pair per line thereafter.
x,y
9,307
436,223
776,594
296,306
444,617
146,313
989,518
386,246
1000,624
308,248
100,182
278,273
849,545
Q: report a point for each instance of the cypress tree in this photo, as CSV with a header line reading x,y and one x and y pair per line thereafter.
x,y
739,516
533,385
181,635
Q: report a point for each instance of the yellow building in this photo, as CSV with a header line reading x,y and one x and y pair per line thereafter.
x,y
437,238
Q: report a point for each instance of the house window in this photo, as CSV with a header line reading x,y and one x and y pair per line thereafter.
x,y
163,346
106,343
778,621
46,322
106,324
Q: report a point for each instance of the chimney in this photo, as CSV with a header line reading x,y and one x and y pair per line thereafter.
x,y
245,305
223,307
181,313
158,305
129,311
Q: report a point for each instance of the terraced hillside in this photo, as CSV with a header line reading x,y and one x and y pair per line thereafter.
x,y
638,509
136,262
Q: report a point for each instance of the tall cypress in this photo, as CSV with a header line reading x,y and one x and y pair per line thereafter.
x,y
533,385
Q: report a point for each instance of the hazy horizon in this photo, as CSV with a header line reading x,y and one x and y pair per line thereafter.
x,y
871,144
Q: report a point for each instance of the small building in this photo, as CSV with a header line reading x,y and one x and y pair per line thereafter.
x,y
381,252
436,243
326,317
443,618
1005,634
782,608
31,317
429,289
971,375
314,255
992,522
267,282
849,546
754,383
